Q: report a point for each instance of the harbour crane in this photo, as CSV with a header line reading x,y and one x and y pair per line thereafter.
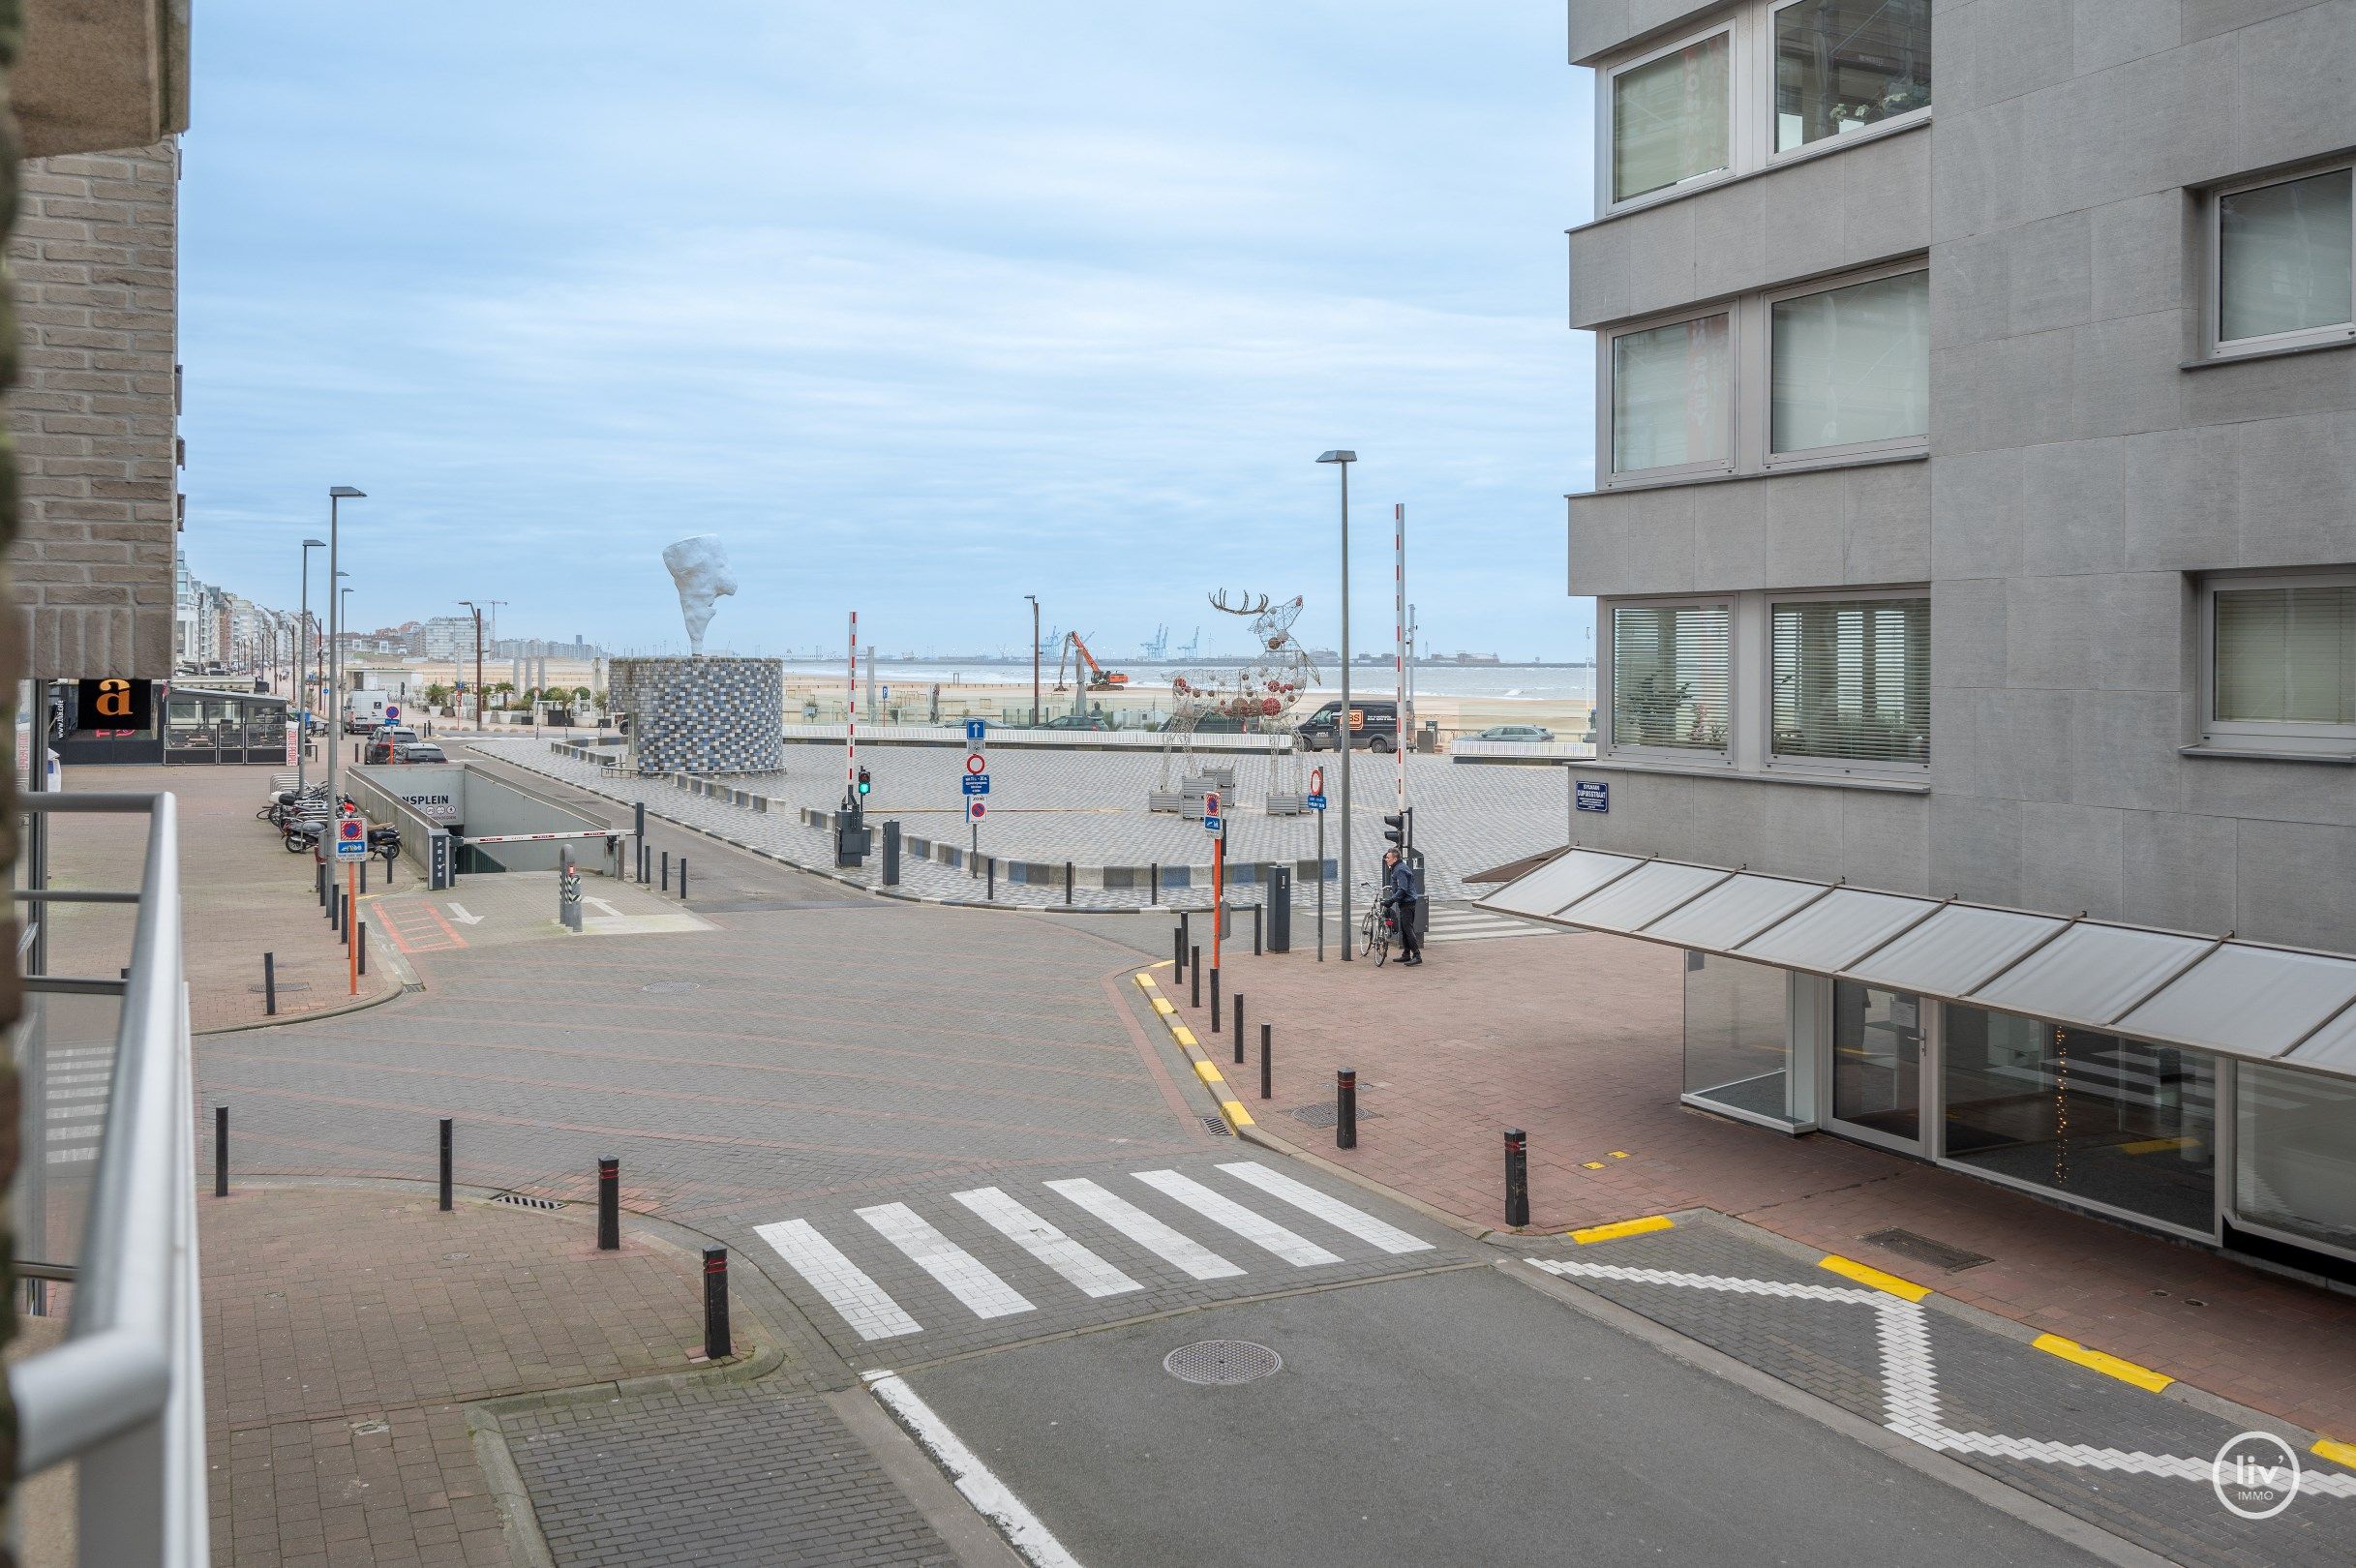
x,y
1099,677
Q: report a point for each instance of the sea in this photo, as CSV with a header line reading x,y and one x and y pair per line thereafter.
x,y
1531,682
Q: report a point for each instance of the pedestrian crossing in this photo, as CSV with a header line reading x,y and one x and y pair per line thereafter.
x,y
75,1086
1470,922
1064,1250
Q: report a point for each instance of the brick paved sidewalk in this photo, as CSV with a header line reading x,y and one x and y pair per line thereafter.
x,y
1577,1039
242,894
344,1328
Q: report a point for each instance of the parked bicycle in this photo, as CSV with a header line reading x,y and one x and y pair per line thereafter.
x,y
1375,934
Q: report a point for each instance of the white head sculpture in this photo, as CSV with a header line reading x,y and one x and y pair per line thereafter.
x,y
700,567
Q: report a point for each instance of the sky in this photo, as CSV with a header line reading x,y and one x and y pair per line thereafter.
x,y
921,308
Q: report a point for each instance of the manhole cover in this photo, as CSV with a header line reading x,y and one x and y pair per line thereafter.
x,y
669,987
1221,1362
1324,1115
1216,1127
523,1202
1923,1250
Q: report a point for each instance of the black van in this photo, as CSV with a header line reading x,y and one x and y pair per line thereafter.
x,y
1373,726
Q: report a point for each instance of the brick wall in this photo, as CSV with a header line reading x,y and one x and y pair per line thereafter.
x,y
95,262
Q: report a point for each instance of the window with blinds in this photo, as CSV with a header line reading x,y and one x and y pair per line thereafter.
x,y
1853,681
2286,657
1670,676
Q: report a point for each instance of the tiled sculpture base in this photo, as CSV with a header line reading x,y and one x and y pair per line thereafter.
x,y
703,715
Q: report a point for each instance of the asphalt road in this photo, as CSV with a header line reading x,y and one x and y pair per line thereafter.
x,y
915,1087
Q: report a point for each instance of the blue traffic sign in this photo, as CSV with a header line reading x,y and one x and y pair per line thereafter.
x,y
351,838
1214,824
975,729
976,783
1317,803
1591,795
392,714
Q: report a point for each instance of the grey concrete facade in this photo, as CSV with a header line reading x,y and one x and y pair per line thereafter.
x,y
96,416
2086,466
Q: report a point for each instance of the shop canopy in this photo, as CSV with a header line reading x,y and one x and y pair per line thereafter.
x,y
2241,999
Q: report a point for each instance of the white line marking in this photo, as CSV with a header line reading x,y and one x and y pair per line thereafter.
x,y
1298,1250
458,913
75,1113
72,1156
1180,1252
1333,1211
79,1078
53,1055
965,1276
1050,1246
991,1497
862,1301
76,1094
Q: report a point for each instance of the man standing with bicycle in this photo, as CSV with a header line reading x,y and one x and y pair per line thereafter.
x,y
1400,893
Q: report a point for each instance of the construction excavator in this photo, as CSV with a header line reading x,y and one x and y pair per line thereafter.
x,y
1100,679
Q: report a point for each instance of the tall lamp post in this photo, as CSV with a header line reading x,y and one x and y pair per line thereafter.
x,y
302,667
1343,461
336,494
1034,598
478,663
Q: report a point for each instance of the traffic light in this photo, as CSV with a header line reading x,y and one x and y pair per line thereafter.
x,y
1398,831
865,783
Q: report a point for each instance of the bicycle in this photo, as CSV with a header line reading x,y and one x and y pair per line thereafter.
x,y
1375,935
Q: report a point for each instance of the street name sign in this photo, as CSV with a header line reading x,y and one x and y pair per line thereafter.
x,y
1317,803
976,783
1591,795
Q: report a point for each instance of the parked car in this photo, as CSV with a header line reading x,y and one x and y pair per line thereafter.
x,y
385,745
1076,721
1516,731
420,751
1211,724
1373,726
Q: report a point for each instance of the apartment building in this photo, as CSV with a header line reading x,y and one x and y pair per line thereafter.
x,y
1974,542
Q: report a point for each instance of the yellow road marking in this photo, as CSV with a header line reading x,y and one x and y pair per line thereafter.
x,y
1625,1227
1866,1275
1146,981
1593,1164
1236,1114
1164,964
1207,1072
2126,1372
1182,1035
1164,1004
1620,1154
2337,1452
2159,1146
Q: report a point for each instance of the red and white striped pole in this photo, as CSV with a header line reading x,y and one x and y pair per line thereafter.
x,y
850,732
1399,655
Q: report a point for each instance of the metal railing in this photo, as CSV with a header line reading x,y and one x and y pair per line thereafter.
x,y
124,1393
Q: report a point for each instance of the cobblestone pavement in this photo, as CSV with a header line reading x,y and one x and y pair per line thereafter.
x,y
241,894
1054,807
2131,1462
345,1329
712,1478
1577,1039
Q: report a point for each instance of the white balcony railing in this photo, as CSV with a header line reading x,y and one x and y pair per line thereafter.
x,y
123,1394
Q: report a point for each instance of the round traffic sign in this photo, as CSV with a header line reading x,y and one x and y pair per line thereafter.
x,y
1316,781
391,713
977,763
351,828
977,810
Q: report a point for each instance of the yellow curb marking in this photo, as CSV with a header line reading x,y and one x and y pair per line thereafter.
x,y
2126,1372
1620,1154
2337,1452
1231,1107
1183,1035
1592,1164
1625,1227
1866,1275
1164,964
1207,1072
1163,1006
1145,981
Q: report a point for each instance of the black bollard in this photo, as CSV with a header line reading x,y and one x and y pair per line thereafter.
x,y
445,1165
1066,882
1178,950
666,870
1239,1029
221,1150
992,894
682,876
362,938
1516,1177
609,1204
718,1344
269,985
1258,937
1345,1109
321,868
1193,975
344,922
1214,999
364,876
638,830
1265,1069
1153,889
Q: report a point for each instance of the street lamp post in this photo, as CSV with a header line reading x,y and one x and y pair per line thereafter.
x,y
1343,461
479,664
1034,598
336,495
302,668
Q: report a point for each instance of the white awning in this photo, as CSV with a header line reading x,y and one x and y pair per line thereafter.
x,y
1564,880
1632,902
2260,1000
2208,993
